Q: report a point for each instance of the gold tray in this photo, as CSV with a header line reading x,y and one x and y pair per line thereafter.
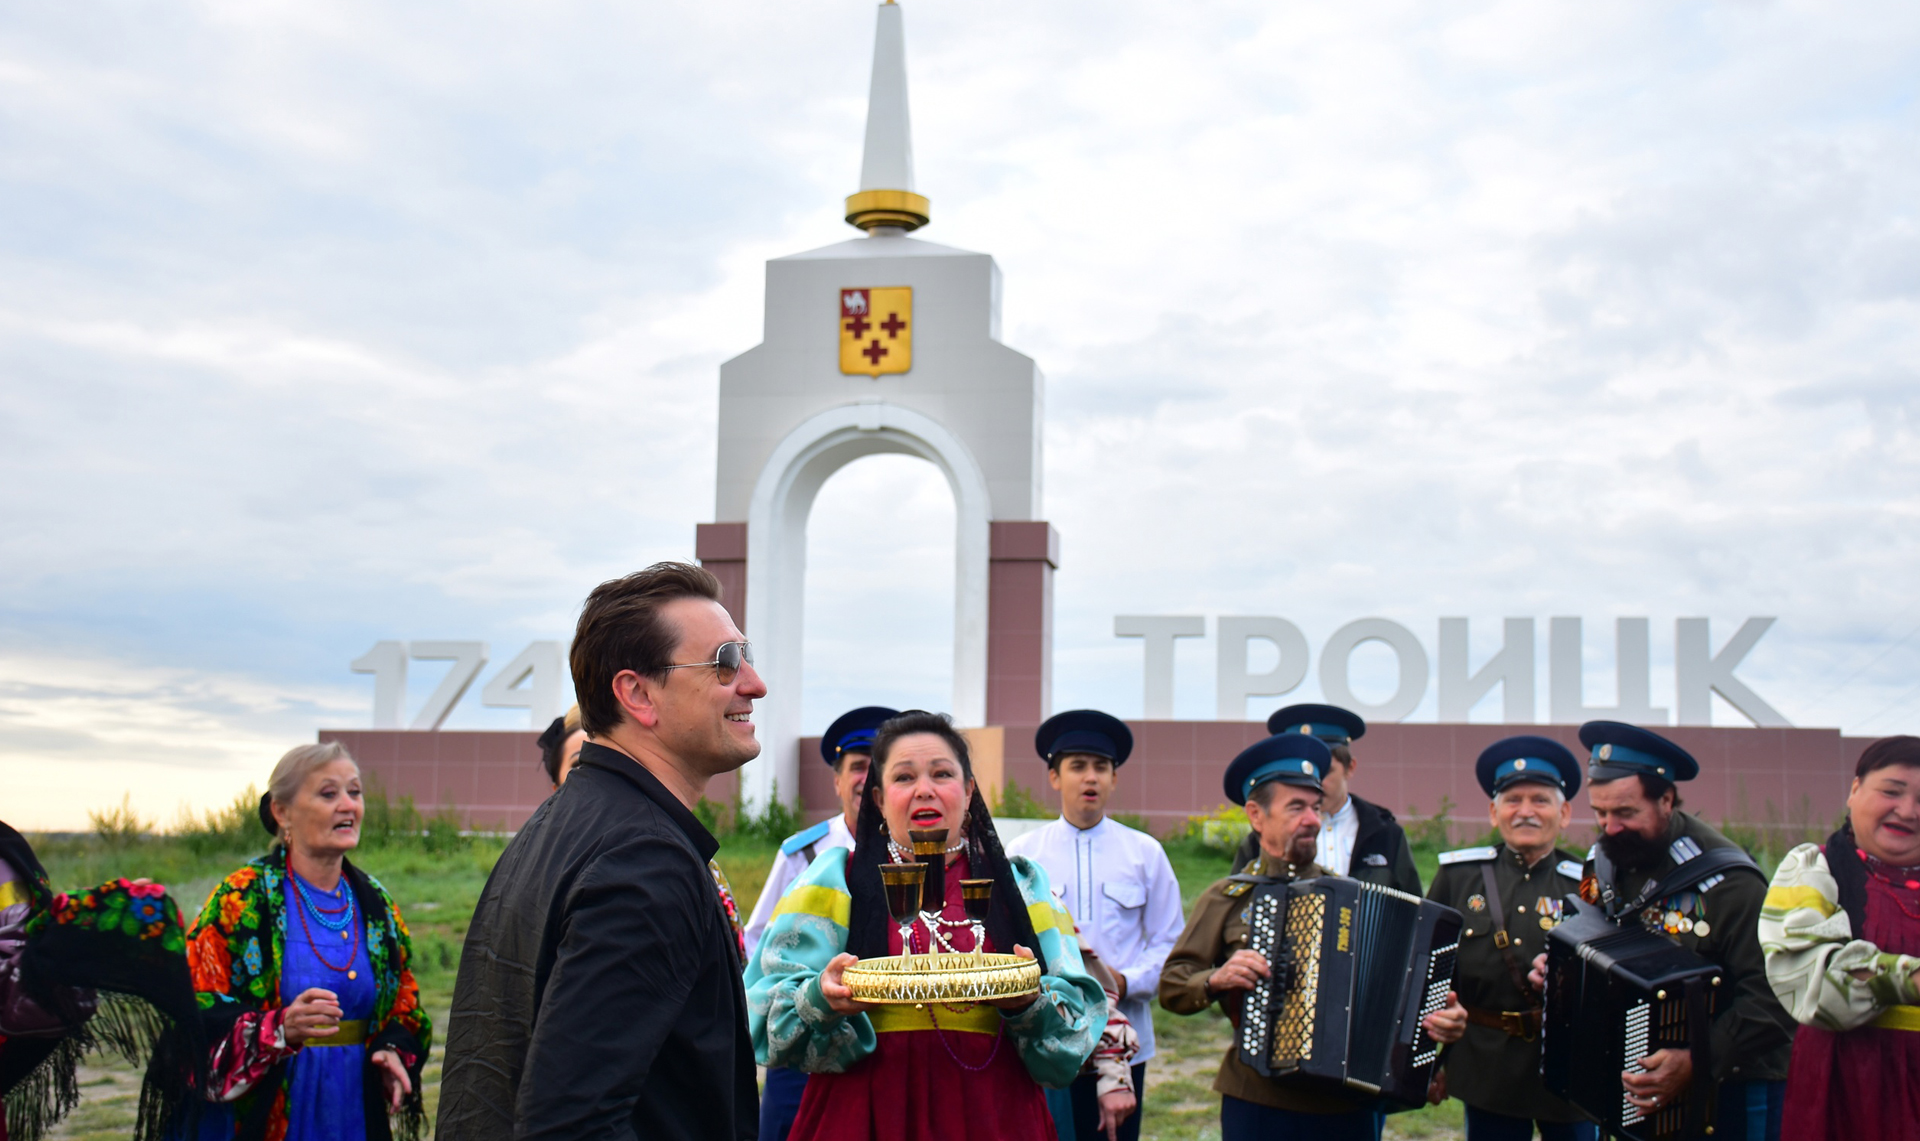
x,y
942,978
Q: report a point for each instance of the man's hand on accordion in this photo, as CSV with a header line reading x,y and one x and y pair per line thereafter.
x,y
1449,1023
1240,972
1668,1072
1537,977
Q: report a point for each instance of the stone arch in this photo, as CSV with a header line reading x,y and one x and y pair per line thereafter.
x,y
799,465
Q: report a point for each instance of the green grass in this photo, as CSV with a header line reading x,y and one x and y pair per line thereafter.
x,y
438,882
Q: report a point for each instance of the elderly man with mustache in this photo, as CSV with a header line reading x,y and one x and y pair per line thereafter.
x,y
1511,895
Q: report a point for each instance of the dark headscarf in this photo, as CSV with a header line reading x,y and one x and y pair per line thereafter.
x,y
867,925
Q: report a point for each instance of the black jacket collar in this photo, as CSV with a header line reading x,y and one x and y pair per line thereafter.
x,y
617,762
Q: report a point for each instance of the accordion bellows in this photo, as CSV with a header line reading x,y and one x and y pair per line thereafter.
x,y
1614,995
1355,969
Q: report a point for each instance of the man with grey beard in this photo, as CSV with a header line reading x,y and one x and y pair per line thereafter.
x,y
1511,895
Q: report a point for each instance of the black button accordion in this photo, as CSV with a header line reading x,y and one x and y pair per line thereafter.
x,y
1614,995
1355,969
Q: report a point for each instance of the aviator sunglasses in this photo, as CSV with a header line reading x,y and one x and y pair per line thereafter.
x,y
726,661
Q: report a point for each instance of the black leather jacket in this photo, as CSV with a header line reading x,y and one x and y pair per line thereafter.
x,y
599,992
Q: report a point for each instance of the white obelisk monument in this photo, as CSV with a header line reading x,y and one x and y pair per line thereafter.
x,y
884,343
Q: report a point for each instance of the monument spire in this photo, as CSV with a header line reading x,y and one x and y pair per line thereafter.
x,y
886,197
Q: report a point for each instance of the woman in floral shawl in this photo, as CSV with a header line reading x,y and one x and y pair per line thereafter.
x,y
301,961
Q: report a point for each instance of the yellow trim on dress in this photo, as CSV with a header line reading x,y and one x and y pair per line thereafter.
x,y
1897,1018
979,1018
817,899
1789,898
13,892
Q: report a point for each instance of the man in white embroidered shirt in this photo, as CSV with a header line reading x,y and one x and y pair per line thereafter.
x,y
1115,882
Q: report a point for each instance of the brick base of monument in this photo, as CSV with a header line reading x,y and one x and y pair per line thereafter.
x,y
1792,782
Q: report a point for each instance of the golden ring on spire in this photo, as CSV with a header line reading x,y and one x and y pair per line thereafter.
x,y
902,208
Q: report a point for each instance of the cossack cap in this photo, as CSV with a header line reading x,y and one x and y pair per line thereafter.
x,y
1330,723
1290,758
853,731
1083,731
1620,750
1514,760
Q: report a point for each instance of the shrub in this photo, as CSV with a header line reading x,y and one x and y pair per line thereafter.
x,y
1221,830
1016,803
120,827
234,828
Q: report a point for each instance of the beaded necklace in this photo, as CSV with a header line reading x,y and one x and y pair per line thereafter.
x,y
1908,878
345,926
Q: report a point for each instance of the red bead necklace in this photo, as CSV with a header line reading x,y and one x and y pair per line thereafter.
x,y
1909,879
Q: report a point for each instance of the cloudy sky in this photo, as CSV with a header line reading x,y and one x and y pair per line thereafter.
x,y
328,323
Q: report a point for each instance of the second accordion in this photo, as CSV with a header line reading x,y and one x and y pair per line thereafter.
x,y
1614,995
1355,969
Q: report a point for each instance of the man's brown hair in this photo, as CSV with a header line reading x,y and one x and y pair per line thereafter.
x,y
621,628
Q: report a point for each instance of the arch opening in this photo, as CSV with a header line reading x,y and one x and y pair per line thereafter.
x,y
878,603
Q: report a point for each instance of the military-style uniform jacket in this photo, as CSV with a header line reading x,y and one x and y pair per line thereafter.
x,y
1381,854
1497,1067
1216,928
1719,920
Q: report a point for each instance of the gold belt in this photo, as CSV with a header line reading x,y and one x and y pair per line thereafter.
x,y
349,1032
977,1019
1897,1018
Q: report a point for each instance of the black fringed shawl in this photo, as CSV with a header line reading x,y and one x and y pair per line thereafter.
x,y
111,964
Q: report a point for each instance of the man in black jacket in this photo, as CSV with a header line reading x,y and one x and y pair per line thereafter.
x,y
1357,837
599,992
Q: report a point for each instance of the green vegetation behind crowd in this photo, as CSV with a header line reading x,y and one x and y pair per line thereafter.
x,y
436,871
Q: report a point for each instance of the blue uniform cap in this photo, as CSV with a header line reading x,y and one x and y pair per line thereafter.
x,y
1539,759
1620,750
1290,758
853,731
1330,723
1083,731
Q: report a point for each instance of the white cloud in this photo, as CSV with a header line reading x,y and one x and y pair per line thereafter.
x,y
320,325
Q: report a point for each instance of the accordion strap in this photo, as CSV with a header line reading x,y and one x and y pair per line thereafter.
x,y
1501,939
1706,865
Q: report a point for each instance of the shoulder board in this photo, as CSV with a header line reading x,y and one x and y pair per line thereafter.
x,y
1593,851
801,839
1572,869
1234,890
1683,849
1467,856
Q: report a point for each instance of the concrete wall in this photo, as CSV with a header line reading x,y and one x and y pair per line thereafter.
x,y
1790,780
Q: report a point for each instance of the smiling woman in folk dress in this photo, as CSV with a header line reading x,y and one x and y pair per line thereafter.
x,y
933,1073
301,962
1841,932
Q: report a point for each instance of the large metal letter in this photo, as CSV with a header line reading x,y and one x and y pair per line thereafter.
x,y
1566,675
467,659
387,662
1337,654
1159,633
1233,684
1511,669
1699,673
542,666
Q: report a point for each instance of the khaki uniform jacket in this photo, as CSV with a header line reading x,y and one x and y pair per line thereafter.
x,y
1491,1069
1216,928
1752,1035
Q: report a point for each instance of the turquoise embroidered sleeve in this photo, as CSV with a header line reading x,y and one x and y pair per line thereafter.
x,y
1057,1034
791,1023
